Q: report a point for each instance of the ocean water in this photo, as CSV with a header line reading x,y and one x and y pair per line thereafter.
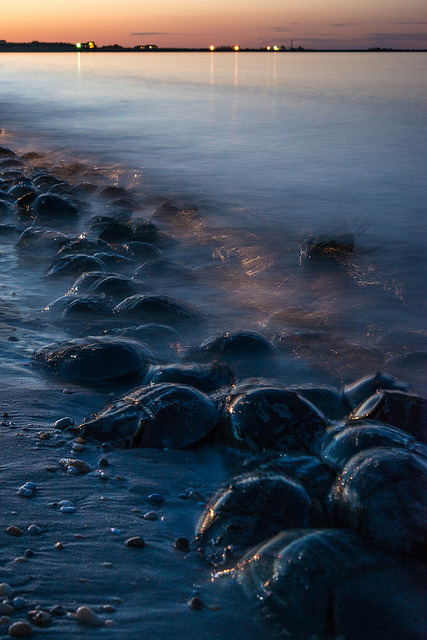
x,y
265,151
272,149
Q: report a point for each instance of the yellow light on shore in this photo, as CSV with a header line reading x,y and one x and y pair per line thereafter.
x,y
236,48
276,48
211,48
268,48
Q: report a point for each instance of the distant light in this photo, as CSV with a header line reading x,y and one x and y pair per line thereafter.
x,y
78,45
212,48
236,48
91,45
276,48
268,48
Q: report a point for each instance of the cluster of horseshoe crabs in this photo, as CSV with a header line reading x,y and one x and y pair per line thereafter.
x,y
324,526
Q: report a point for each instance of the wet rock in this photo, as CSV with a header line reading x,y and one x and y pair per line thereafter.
x,y
64,423
327,399
136,541
116,287
20,629
27,490
87,617
79,465
182,544
40,618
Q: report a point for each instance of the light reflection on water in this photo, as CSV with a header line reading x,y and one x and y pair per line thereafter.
x,y
271,148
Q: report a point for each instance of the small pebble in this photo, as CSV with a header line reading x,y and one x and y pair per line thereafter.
x,y
77,447
117,532
156,498
27,490
88,617
29,553
106,446
13,338
64,423
81,440
34,530
20,629
59,545
108,608
82,467
43,435
151,515
5,414
182,544
136,541
40,618
5,620
68,509
5,589
103,462
20,559
67,391
110,623
72,471
196,603
62,503
13,531
19,603
107,565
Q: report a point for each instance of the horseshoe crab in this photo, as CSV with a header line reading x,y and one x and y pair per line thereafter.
x,y
405,411
96,361
73,264
347,443
381,494
247,510
161,416
327,399
206,378
326,584
358,391
242,344
273,418
151,308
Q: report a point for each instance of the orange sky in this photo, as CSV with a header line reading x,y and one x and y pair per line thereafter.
x,y
314,23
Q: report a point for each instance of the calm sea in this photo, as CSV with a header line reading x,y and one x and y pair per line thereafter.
x,y
271,148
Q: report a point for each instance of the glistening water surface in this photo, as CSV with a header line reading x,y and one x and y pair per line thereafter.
x,y
269,148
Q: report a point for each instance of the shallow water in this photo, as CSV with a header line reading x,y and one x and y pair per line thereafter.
x,y
270,149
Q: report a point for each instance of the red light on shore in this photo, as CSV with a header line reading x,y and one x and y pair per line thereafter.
x,y
236,48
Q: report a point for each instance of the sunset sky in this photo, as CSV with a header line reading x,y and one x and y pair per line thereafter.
x,y
179,23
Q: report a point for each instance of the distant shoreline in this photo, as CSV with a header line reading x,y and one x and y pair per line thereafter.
x,y
47,47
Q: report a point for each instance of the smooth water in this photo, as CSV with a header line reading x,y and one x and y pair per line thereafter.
x,y
270,149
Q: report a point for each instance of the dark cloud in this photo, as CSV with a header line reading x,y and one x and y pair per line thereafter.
x,y
151,33
399,37
163,33
340,24
282,29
